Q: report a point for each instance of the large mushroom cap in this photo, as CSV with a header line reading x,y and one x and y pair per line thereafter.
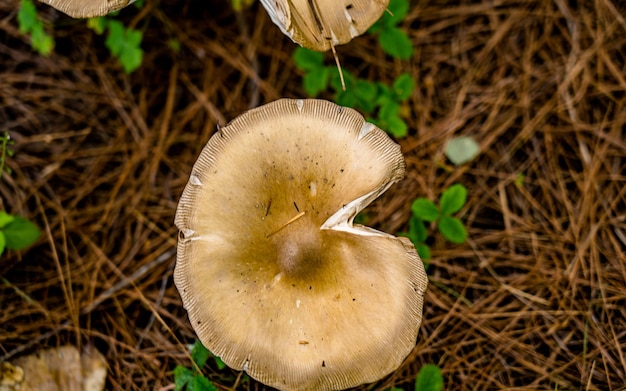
x,y
87,8
276,279
319,24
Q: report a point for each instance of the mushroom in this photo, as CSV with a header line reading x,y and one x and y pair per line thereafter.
x,y
87,8
323,24
274,275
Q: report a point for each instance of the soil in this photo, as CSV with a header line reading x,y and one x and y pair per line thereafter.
x,y
536,298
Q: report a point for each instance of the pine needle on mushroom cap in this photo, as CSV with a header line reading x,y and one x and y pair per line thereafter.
x,y
275,277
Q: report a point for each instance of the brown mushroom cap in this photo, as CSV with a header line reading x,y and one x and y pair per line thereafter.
x,y
276,279
318,24
87,8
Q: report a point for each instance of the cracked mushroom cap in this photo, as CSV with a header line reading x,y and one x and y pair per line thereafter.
x,y
87,8
276,278
320,24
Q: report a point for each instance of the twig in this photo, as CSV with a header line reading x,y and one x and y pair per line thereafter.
x,y
128,280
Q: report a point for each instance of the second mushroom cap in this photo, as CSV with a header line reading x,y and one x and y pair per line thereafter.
x,y
321,24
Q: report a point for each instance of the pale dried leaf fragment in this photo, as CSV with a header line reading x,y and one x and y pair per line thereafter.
x,y
59,369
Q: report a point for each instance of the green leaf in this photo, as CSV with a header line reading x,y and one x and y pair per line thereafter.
x,y
384,91
124,43
199,354
389,111
42,42
29,23
20,233
97,24
182,376
365,90
2,242
429,378
418,235
378,26
308,60
5,218
396,43
417,230
220,364
27,17
461,150
316,81
366,94
452,229
397,127
403,87
132,56
425,209
346,98
398,9
115,39
453,199
201,383
424,252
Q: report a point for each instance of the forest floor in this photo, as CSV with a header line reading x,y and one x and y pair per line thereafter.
x,y
534,300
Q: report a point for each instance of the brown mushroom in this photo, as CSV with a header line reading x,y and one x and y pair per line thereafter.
x,y
276,278
322,24
87,8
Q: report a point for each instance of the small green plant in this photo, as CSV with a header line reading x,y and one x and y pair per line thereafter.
x,y
394,41
424,210
383,103
16,232
123,42
191,379
30,23
429,378
418,235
